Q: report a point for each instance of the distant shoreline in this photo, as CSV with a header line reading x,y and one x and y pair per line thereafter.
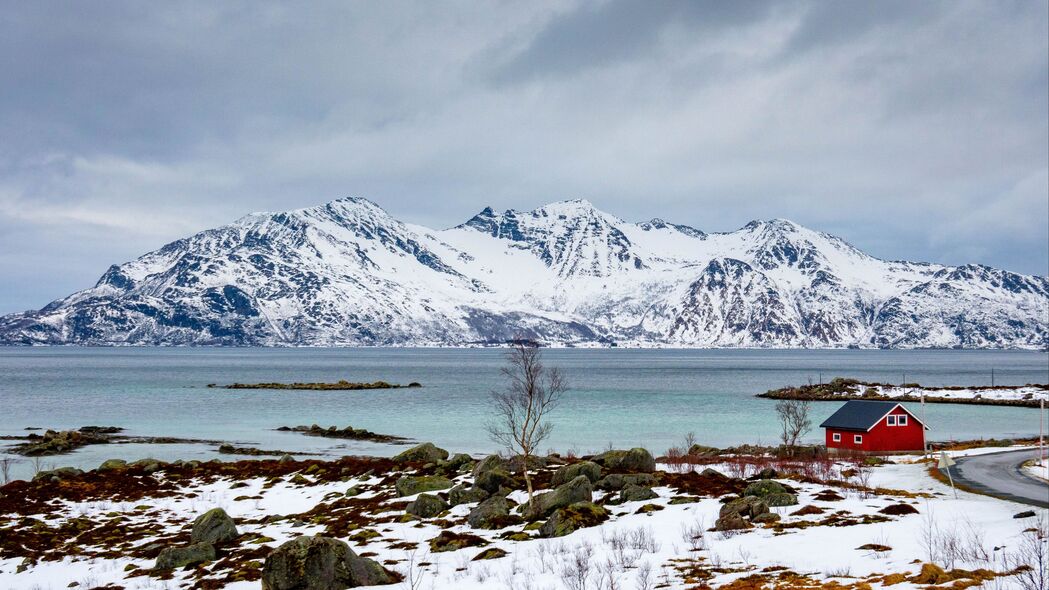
x,y
1024,396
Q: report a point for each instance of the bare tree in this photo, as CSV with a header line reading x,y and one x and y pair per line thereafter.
x,y
794,418
521,409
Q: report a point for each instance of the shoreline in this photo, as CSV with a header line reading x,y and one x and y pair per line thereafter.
x,y
840,389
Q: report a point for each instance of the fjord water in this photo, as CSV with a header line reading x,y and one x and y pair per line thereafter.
x,y
622,397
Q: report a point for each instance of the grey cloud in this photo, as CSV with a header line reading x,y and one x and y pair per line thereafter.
x,y
906,128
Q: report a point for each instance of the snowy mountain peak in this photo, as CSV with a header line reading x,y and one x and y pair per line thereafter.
x,y
348,273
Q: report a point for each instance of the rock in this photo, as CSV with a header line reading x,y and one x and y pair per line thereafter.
x,y
59,474
178,557
751,506
517,463
319,563
703,451
898,509
636,460
710,472
424,453
1024,514
490,514
783,499
572,518
731,522
494,480
618,481
767,473
112,464
489,463
449,541
575,491
456,463
426,506
766,517
148,465
765,487
567,473
461,494
286,458
214,526
411,485
634,493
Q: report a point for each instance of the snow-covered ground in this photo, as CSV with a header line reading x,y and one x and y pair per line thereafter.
x,y
1027,392
1039,469
671,547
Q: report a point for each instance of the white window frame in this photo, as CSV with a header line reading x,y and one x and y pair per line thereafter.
x,y
891,419
857,439
836,437
901,420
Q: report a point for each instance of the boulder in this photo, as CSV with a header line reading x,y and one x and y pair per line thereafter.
x,y
178,557
751,506
572,518
577,490
490,514
411,485
489,463
767,517
731,522
424,453
714,473
634,493
783,499
55,475
320,563
768,473
426,506
214,526
461,494
567,473
703,451
1024,514
112,464
456,463
635,460
449,541
494,480
492,553
765,487
618,481
517,463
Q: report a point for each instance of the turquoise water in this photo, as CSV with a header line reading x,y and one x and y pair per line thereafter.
x,y
621,397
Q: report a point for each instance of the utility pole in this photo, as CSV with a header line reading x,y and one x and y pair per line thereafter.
x,y
1041,436
925,444
992,376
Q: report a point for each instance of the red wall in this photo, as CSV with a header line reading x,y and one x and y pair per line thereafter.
x,y
882,437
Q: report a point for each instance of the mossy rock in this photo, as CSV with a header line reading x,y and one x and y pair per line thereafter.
x,y
462,494
411,485
449,541
179,557
648,509
320,563
767,517
567,473
703,451
618,481
684,500
456,463
765,487
424,453
572,518
575,491
112,465
363,536
214,526
750,506
731,522
633,493
783,499
494,480
426,506
493,513
516,536
635,460
492,553
489,463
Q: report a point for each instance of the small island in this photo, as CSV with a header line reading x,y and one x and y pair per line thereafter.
x,y
341,385
840,389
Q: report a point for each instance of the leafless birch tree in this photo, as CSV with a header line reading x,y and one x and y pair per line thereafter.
x,y
794,418
520,411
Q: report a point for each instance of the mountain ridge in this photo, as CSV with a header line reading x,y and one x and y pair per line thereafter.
x,y
347,273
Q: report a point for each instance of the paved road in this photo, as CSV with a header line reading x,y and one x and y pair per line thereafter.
x,y
998,474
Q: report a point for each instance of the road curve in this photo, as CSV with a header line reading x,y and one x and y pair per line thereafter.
x,y
998,475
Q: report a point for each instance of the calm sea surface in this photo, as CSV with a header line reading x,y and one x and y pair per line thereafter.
x,y
622,397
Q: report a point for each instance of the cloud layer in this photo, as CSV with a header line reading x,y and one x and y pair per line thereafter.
x,y
913,130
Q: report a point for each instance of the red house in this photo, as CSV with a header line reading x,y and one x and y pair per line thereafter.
x,y
874,427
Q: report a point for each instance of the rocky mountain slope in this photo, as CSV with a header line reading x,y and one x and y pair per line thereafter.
x,y
347,273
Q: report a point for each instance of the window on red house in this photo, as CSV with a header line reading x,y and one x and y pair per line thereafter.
x,y
836,437
858,439
891,420
901,420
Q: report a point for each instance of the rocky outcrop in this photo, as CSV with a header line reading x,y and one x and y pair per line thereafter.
x,y
636,460
577,490
571,518
567,473
493,513
424,453
426,506
214,526
618,481
320,563
179,557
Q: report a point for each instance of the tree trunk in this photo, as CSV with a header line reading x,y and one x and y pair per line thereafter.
x,y
528,482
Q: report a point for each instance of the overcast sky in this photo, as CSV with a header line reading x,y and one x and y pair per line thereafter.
x,y
914,130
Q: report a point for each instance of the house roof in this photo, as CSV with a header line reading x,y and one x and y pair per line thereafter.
x,y
862,415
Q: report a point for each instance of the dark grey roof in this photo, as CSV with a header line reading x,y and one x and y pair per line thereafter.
x,y
858,415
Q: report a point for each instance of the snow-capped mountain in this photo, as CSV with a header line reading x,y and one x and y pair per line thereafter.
x,y
347,273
